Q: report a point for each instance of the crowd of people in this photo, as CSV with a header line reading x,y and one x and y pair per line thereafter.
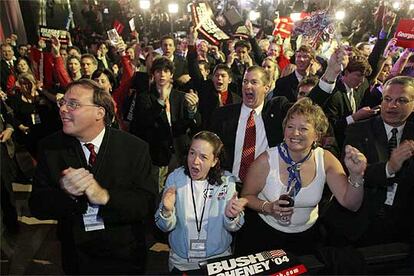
x,y
227,148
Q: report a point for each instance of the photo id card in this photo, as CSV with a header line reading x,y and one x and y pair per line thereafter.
x,y
391,190
197,250
91,220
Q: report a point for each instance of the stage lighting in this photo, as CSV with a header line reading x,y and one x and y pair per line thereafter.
x,y
254,15
295,16
173,8
144,4
340,15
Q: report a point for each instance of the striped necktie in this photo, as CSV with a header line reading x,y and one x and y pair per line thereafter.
x,y
392,143
92,156
249,146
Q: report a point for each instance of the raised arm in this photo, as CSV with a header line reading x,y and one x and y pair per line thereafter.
x,y
348,191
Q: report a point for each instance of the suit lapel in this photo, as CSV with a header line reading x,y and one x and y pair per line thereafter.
x,y
408,131
73,154
230,127
174,105
381,142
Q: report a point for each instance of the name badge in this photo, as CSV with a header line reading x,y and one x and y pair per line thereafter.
x,y
91,220
391,190
35,118
197,250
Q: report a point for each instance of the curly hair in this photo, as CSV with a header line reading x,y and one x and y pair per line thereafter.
x,y
312,112
216,172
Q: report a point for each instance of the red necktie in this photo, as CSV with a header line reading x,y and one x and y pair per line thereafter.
x,y
223,98
92,156
249,147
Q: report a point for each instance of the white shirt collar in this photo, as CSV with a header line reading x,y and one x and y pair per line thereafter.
x,y
388,129
97,141
299,76
245,111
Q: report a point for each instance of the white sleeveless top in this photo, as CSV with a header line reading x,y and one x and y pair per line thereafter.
x,y
305,212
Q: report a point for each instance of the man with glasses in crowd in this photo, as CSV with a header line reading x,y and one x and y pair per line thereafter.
x,y
96,182
388,143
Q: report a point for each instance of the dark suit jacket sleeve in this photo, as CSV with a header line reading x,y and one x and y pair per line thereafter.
x,y
375,55
258,55
318,96
48,200
358,136
193,69
133,201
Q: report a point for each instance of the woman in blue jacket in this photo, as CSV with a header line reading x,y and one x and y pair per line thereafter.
x,y
200,207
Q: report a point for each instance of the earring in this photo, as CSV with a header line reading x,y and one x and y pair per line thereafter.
x,y
314,145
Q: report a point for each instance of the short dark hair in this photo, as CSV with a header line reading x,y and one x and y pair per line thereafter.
x,y
74,48
100,97
107,73
162,63
216,172
307,49
167,37
72,57
244,44
359,63
90,56
223,67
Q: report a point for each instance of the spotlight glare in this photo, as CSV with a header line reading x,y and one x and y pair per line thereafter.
x,y
295,16
144,4
396,5
173,8
254,15
340,15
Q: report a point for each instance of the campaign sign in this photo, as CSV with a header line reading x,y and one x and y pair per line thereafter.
x,y
47,33
203,15
273,262
283,27
405,33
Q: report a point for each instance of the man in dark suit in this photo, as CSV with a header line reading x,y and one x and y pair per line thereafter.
x,y
214,92
344,107
287,86
7,64
239,61
96,182
165,118
388,190
181,76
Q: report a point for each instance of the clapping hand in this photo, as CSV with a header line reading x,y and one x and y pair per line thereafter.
x,y
168,200
400,154
191,99
235,206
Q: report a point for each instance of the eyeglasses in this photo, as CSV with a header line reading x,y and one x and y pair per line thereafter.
x,y
72,105
397,101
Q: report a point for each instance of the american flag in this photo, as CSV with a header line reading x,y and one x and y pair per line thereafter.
x,y
273,254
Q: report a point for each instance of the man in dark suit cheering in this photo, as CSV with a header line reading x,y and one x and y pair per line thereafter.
x,y
96,182
388,143
287,86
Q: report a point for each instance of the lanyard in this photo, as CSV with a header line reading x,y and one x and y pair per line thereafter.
x,y
198,225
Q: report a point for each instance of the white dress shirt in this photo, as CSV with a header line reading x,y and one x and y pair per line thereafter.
x,y
261,139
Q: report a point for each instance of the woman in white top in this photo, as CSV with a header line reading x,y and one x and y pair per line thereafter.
x,y
298,170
